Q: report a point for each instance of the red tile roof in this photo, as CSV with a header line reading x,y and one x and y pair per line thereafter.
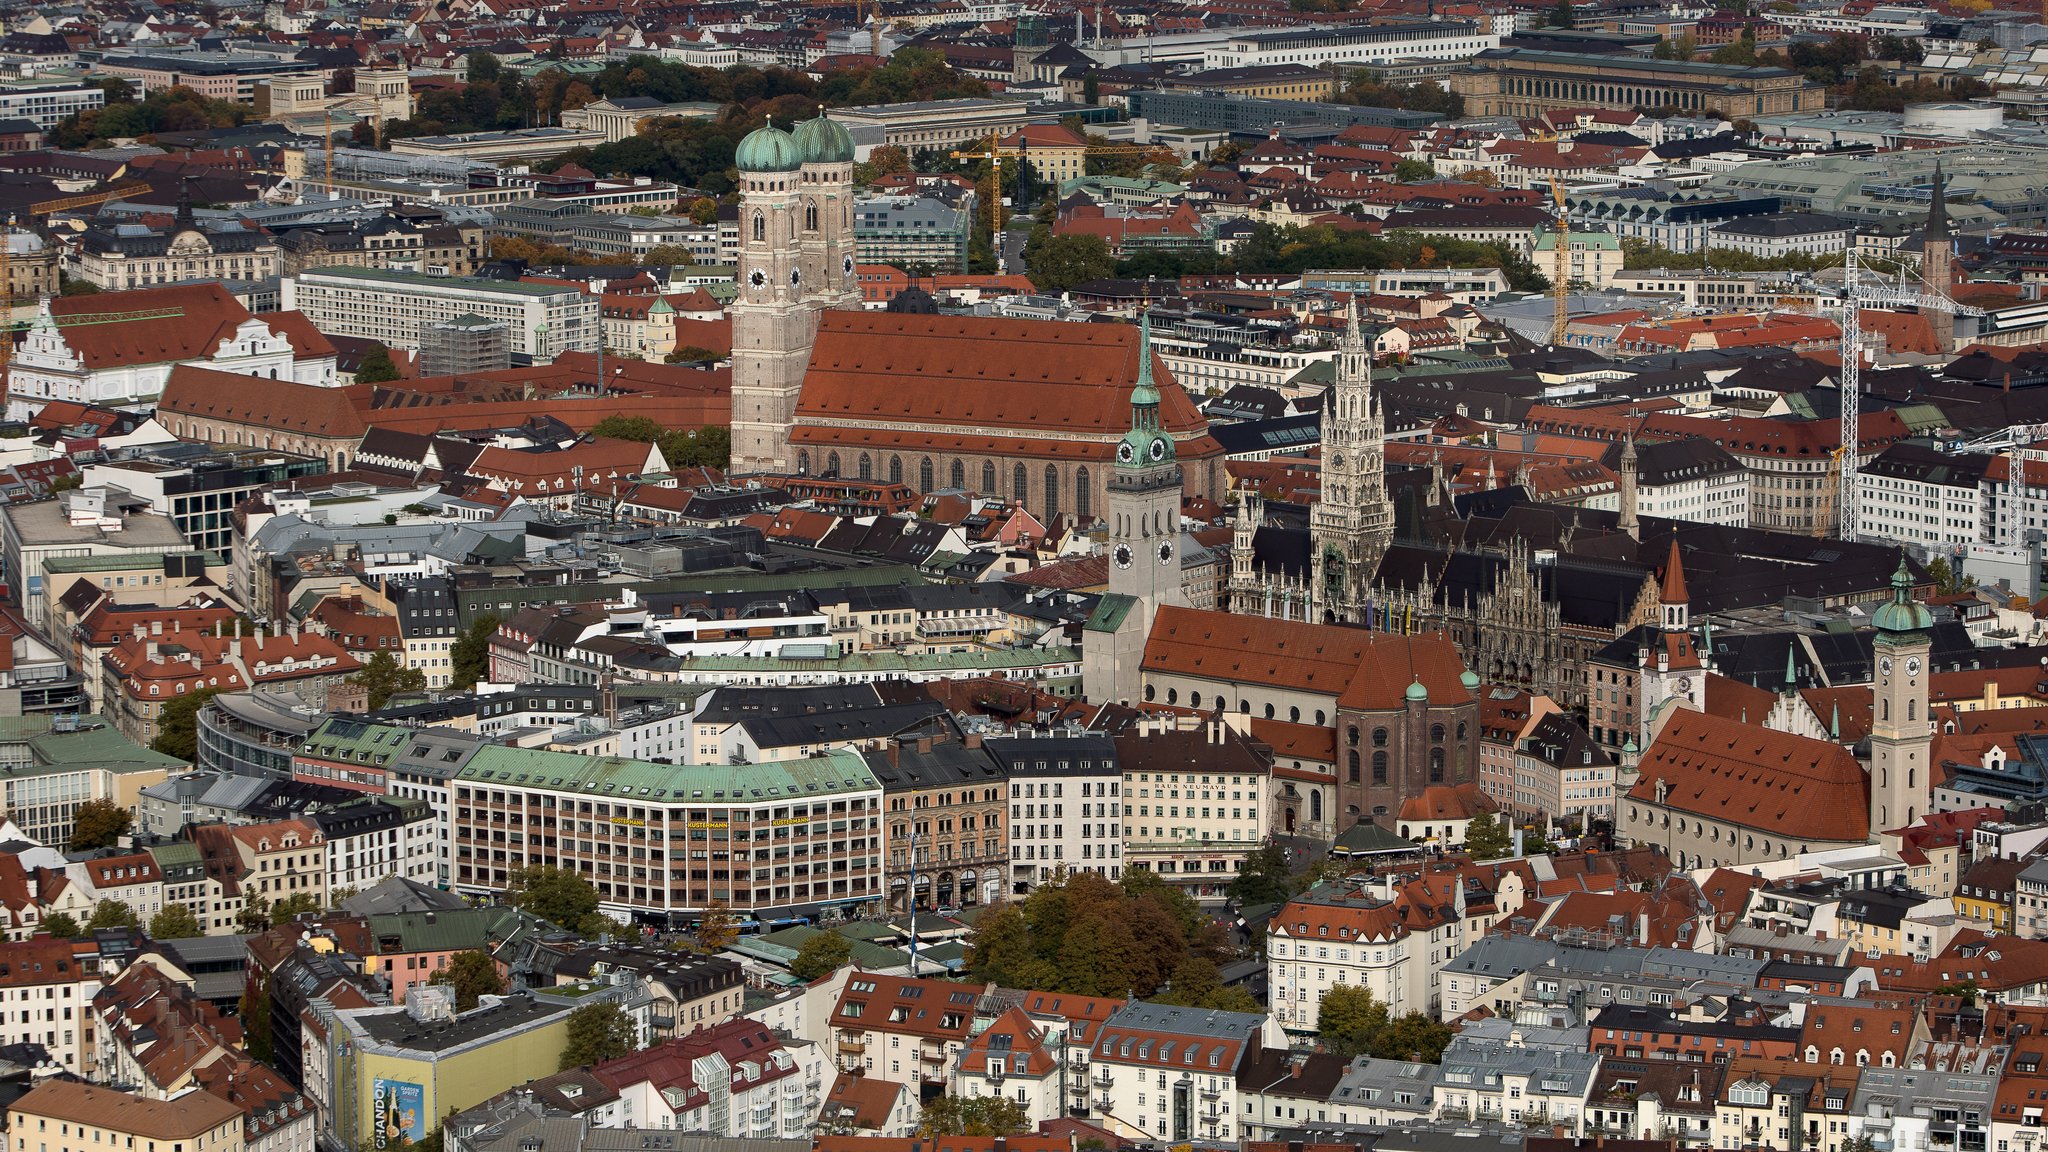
x,y
1807,791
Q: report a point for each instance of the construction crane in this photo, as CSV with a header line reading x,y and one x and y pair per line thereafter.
x,y
1561,273
1855,295
9,325
994,154
874,10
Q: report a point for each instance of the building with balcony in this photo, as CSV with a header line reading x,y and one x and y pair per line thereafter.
x,y
1924,1110
254,733
902,1029
661,842
1504,1082
1066,805
1017,1059
1169,1074
945,828
919,233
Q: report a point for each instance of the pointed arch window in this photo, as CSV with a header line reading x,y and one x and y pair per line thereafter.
x,y
1020,484
925,475
811,216
959,474
988,478
895,469
867,467
760,227
1084,497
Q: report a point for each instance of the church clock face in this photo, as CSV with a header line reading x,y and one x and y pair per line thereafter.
x,y
1165,552
1885,665
794,277
1158,451
1121,554
1912,665
757,278
1125,453
847,265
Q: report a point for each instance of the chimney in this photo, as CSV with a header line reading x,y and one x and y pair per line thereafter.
x,y
156,627
1643,929
150,651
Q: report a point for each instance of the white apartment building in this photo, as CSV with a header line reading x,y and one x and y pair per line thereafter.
x,y
1933,502
1206,369
1016,1058
1169,1075
1194,800
1693,480
542,321
1066,806
382,837
1391,941
46,996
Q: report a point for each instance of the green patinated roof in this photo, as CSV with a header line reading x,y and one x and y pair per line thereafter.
x,y
469,601
783,945
619,778
1922,417
14,729
1109,613
98,747
176,854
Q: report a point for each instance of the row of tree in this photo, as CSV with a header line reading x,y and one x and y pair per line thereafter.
x,y
706,447
1058,263
1086,934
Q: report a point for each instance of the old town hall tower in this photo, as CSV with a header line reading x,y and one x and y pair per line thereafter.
x,y
1353,520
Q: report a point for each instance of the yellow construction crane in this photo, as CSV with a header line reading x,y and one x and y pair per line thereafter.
x,y
1561,273
994,154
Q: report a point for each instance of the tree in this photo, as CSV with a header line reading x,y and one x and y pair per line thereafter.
x,y
473,975
1410,171
638,429
1262,878
1002,952
385,677
177,724
1198,984
560,897
111,914
254,915
1350,1020
707,447
482,68
717,928
175,922
1058,263
704,210
1486,838
61,925
294,906
1413,1037
887,160
376,366
255,1014
1562,15
823,953
972,1116
597,1033
70,286
469,658
98,823
1947,582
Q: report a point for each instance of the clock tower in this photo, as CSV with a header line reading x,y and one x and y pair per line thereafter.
x,y
1901,735
1352,522
1144,544
1144,501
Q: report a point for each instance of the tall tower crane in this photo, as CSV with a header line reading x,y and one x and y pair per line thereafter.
x,y
1561,271
994,154
1855,296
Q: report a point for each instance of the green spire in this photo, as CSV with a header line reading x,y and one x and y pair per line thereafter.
x,y
1835,722
1791,666
1146,392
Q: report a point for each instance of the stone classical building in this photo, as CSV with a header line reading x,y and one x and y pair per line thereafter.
x,y
1529,82
116,256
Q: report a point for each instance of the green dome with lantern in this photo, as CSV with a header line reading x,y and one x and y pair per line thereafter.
x,y
768,149
1417,692
824,141
1146,444
1902,613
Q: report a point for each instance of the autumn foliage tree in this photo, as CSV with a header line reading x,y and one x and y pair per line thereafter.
x,y
1086,934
